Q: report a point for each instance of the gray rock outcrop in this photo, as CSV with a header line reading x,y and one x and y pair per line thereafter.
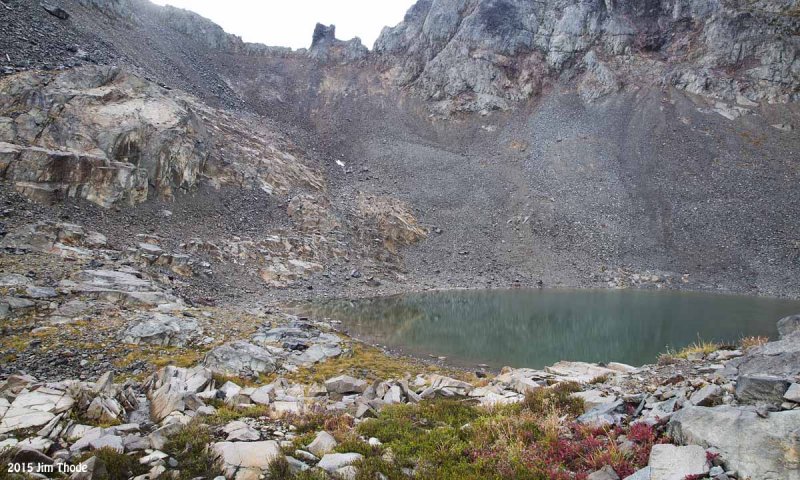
x,y
755,447
161,329
240,358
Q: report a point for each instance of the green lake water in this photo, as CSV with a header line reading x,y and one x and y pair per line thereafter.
x,y
535,328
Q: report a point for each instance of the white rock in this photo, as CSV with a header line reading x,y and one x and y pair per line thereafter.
x,y
36,443
669,462
334,461
240,431
793,393
594,398
153,457
230,389
8,443
263,395
644,474
107,441
754,447
281,407
248,454
394,395
322,444
307,456
580,372
621,367
348,472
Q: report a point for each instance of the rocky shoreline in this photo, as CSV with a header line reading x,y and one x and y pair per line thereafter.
x,y
167,190
723,414
276,395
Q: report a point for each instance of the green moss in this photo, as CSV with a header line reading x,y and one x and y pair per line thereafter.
x,y
6,456
190,447
118,465
363,361
279,470
556,399
316,419
310,475
371,468
430,435
355,445
226,413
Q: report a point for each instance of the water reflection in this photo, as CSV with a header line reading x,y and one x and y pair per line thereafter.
x,y
534,328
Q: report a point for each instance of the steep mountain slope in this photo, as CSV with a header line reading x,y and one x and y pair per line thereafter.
x,y
567,143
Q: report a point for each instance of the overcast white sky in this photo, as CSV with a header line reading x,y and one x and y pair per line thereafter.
x,y
290,23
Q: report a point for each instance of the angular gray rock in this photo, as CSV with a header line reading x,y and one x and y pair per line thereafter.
x,y
707,396
603,415
755,447
323,443
793,393
240,432
35,409
123,287
752,389
780,358
344,384
605,473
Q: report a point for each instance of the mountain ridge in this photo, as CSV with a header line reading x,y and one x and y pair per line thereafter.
x,y
584,168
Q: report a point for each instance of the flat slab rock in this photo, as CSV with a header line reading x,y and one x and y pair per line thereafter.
x,y
580,372
334,461
35,409
670,462
248,454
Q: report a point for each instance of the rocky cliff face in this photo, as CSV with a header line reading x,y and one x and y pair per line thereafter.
x,y
485,54
103,134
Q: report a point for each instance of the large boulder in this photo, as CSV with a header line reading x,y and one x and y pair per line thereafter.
x,y
442,386
762,448
240,358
